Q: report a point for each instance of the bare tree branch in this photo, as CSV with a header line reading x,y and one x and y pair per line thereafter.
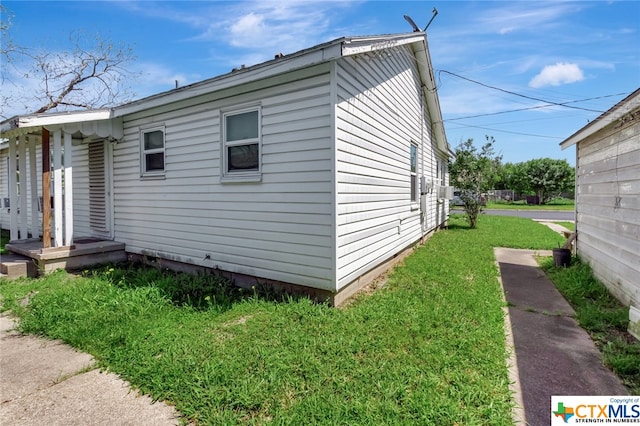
x,y
95,73
87,78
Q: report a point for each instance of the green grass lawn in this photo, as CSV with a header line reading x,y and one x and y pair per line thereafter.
x,y
569,225
427,348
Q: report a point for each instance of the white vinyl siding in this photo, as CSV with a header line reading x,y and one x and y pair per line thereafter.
x,y
277,229
378,114
608,208
5,220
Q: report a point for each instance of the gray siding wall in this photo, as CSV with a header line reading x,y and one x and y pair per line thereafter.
x,y
608,208
279,228
378,115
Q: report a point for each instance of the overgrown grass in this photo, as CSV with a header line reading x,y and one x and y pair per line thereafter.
x,y
602,316
427,348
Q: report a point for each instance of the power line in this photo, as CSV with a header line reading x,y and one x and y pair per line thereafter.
x,y
506,131
518,94
534,107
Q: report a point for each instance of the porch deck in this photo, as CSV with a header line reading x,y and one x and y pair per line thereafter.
x,y
83,253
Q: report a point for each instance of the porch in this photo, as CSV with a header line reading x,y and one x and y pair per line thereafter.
x,y
31,258
57,219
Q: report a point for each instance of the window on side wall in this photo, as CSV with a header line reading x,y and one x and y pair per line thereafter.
x,y
241,145
413,172
153,150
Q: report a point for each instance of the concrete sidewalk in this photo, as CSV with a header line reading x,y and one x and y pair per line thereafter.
x,y
552,354
45,382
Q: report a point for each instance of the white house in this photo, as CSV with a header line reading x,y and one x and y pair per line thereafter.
x,y
314,169
608,200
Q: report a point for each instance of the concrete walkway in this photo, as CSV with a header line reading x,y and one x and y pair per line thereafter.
x,y
45,382
551,353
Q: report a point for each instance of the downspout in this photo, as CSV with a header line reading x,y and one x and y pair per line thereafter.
x,y
423,197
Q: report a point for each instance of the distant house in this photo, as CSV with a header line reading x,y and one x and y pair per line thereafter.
x,y
312,170
608,200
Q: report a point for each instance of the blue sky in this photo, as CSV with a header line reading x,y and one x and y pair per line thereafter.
x,y
490,58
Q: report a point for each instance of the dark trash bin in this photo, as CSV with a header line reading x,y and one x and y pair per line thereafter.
x,y
562,257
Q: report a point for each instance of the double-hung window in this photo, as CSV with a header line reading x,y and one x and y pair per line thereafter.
x,y
442,172
241,145
152,151
413,171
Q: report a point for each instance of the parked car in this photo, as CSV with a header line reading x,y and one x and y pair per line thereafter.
x,y
457,200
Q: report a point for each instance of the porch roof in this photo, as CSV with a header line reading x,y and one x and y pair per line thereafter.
x,y
98,122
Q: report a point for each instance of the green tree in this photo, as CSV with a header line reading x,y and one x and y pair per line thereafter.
x,y
549,178
473,172
513,177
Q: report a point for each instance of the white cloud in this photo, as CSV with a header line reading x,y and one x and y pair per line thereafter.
x,y
249,29
252,31
258,28
524,16
556,75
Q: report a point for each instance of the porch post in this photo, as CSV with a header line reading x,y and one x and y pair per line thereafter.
x,y
68,190
13,191
24,190
57,188
46,190
33,180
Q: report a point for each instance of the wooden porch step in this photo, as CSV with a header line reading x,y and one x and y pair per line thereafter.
x,y
85,253
16,267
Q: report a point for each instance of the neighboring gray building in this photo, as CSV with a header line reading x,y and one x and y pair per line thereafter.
x,y
312,169
608,200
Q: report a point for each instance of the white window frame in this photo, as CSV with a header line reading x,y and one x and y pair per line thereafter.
x,y
144,152
227,175
413,174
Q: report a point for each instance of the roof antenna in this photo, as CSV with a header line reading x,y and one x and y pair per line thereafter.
x,y
407,18
435,12
416,29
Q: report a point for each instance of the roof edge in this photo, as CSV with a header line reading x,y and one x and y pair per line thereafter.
x,y
626,105
19,123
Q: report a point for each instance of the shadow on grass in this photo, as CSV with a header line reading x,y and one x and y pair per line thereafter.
x,y
458,226
201,292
